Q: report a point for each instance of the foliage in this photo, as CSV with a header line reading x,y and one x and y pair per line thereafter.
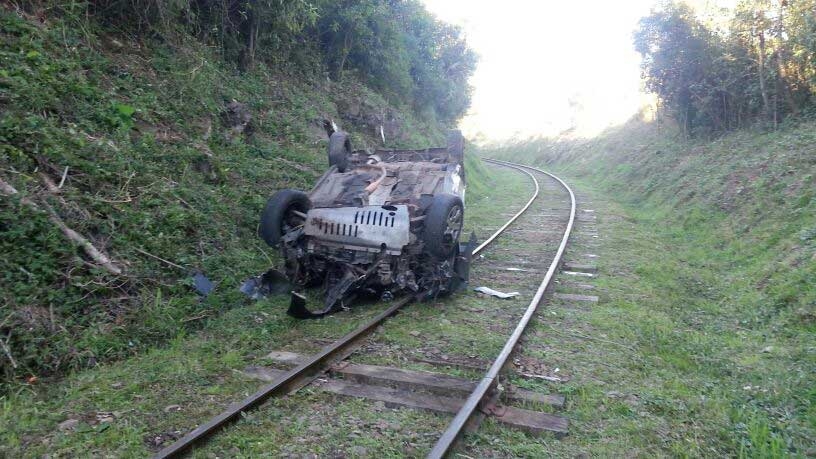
x,y
151,168
674,46
402,51
760,68
240,28
711,271
396,47
365,36
441,62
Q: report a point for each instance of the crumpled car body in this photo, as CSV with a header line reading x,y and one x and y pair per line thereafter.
x,y
375,223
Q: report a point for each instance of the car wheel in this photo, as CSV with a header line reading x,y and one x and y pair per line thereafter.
x,y
281,214
339,150
443,225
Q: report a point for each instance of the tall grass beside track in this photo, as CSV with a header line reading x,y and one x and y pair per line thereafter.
x,y
151,167
708,270
165,389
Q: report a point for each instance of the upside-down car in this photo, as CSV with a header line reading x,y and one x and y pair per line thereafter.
x,y
381,222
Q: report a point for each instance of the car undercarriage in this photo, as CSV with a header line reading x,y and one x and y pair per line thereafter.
x,y
376,223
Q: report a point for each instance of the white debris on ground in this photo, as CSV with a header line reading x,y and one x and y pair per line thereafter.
x,y
496,293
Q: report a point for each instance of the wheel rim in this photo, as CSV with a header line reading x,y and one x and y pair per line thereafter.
x,y
291,221
454,226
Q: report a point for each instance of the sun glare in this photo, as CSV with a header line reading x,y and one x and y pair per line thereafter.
x,y
546,67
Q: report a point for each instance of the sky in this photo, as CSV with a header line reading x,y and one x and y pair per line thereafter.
x,y
546,66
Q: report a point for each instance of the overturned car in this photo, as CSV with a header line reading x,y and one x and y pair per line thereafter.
x,y
378,223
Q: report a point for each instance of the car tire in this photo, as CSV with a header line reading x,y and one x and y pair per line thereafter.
x,y
339,150
277,218
443,225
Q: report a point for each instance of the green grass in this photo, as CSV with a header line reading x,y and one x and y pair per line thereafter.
x,y
661,366
199,371
709,275
151,168
702,344
674,361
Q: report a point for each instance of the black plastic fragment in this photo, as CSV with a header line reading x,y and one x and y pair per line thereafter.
x,y
297,308
202,284
272,282
461,266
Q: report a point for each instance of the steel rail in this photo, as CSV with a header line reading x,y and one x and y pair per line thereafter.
x,y
291,379
498,232
316,364
476,398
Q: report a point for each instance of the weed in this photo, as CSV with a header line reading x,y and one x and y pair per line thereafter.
x,y
149,167
713,241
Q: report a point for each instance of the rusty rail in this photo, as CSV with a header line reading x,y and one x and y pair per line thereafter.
x,y
293,379
448,439
315,365
498,232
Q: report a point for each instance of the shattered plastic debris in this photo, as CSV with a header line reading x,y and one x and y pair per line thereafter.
x,y
202,285
520,270
578,273
496,293
269,283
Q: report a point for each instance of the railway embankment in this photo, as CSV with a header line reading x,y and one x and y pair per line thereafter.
x,y
708,255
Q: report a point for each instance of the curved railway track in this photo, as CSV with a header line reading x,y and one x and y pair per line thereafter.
x,y
478,397
316,365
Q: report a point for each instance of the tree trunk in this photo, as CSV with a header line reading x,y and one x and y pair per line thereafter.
x,y
766,104
780,62
344,55
248,30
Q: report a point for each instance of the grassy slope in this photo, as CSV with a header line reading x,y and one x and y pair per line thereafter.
x,y
200,373
710,274
139,125
162,178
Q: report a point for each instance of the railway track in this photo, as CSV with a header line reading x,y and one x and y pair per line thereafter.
x,y
307,369
480,395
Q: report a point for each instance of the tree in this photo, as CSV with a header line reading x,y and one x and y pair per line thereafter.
x,y
441,62
401,50
394,46
761,68
676,51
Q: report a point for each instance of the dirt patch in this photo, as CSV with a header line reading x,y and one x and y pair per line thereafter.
x,y
737,186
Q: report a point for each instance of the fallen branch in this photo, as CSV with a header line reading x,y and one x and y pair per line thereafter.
x,y
198,317
64,175
99,257
7,351
52,187
545,378
86,245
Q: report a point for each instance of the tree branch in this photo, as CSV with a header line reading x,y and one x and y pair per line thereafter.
x,y
99,257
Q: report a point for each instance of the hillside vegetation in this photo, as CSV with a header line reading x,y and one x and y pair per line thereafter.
x,y
720,69
710,276
146,132
709,261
